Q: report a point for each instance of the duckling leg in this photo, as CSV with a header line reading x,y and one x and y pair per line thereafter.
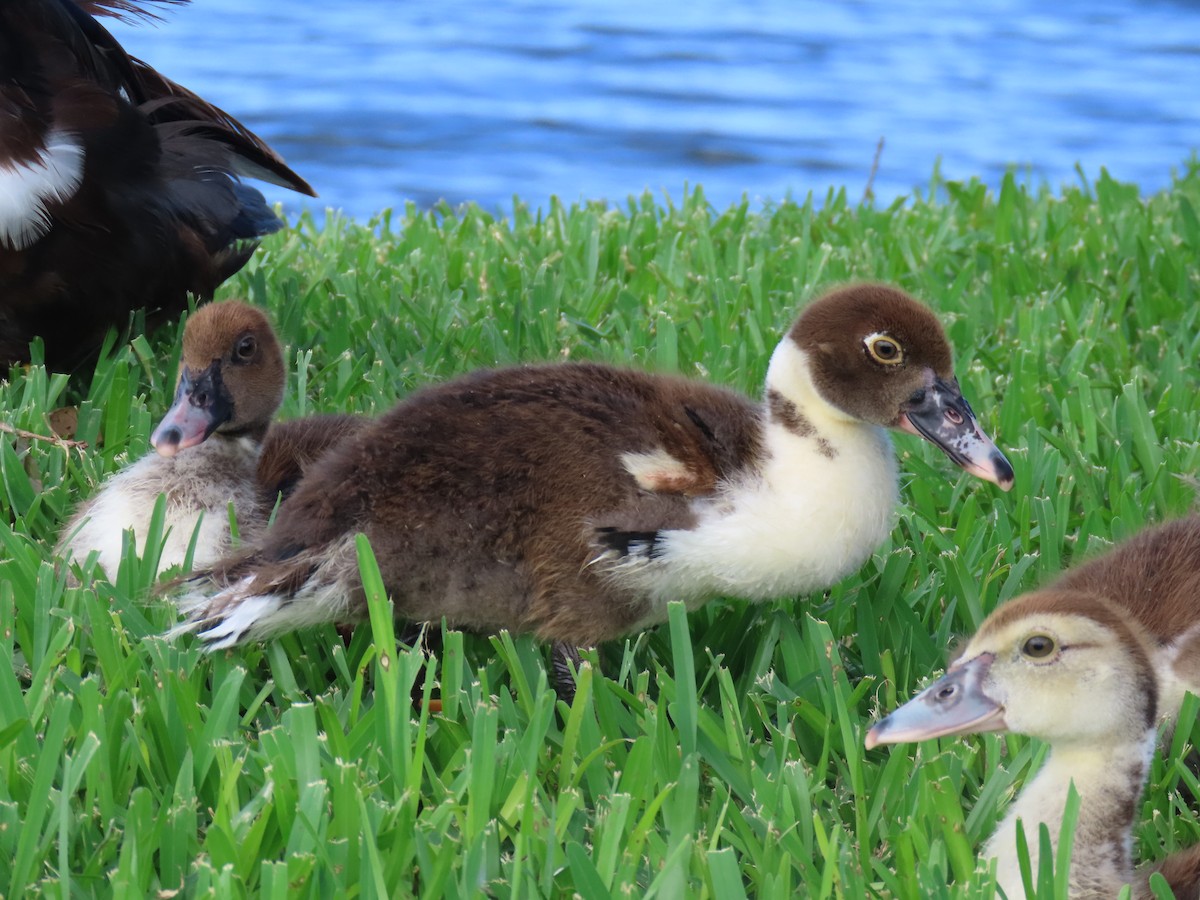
x,y
424,638
417,635
565,661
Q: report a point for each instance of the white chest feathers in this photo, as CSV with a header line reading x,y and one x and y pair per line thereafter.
x,y
812,514
805,514
199,484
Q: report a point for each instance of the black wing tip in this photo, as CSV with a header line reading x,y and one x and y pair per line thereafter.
x,y
631,543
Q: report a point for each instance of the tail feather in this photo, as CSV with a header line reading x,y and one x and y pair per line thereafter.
x,y
248,599
232,616
251,617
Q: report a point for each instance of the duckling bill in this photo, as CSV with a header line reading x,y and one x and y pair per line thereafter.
x,y
1153,579
573,501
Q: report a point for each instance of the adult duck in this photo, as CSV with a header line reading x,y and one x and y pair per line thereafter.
x,y
1090,665
119,189
573,501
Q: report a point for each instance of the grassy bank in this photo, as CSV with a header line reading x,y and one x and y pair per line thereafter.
x,y
717,756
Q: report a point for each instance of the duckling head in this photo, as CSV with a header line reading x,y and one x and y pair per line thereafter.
x,y
1063,666
873,354
231,378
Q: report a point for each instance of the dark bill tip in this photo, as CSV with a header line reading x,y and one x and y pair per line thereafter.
x,y
945,419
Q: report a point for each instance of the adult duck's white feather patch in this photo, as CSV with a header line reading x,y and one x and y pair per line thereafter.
x,y
26,189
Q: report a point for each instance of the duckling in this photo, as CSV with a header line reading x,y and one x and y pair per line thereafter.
x,y
1087,665
1073,670
291,448
119,189
231,380
573,501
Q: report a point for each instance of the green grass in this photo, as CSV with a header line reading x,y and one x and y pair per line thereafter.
x,y
716,756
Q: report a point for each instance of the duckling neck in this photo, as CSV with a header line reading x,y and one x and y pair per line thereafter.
x,y
250,434
1109,780
844,468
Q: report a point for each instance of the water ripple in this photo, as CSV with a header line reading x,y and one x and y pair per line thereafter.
x,y
377,104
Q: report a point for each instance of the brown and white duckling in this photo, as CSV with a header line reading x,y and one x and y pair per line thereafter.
x,y
1087,665
231,380
1073,670
119,189
573,501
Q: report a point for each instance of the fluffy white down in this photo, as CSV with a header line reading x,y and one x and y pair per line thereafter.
x,y
235,614
200,483
27,188
1097,770
800,523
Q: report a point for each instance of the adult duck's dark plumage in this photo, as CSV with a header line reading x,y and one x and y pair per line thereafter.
x,y
119,189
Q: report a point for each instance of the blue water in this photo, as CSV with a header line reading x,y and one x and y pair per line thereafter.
x,y
378,102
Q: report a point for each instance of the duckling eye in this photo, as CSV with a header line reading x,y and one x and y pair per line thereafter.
x,y
884,349
1039,646
245,348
